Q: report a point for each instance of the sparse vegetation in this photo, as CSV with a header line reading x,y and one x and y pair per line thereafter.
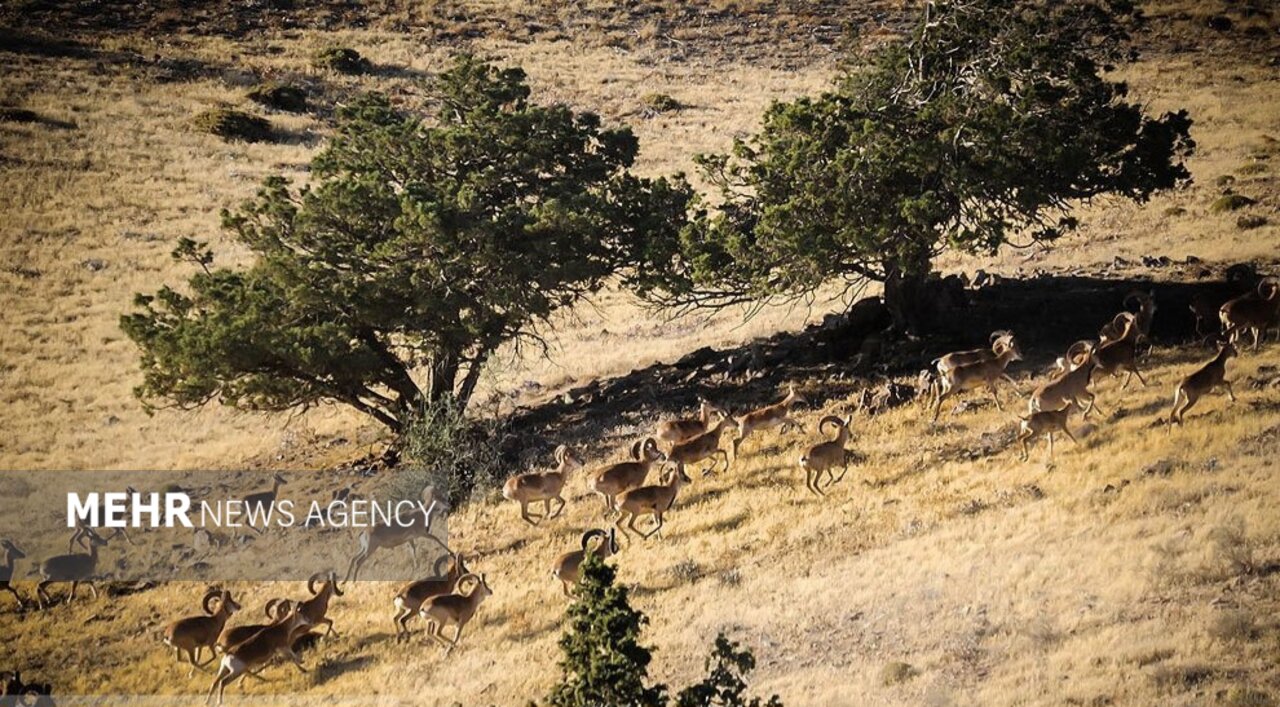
x,y
726,682
1230,202
279,96
1248,222
344,60
897,672
660,103
231,124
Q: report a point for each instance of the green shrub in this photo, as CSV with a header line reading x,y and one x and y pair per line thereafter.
x,y
661,103
726,680
344,60
231,124
604,663
456,455
1252,168
1230,202
1225,180
279,96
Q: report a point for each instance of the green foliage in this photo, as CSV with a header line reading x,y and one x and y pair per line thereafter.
x,y
449,452
279,96
1247,222
982,129
661,103
725,684
344,60
231,124
1230,202
603,663
422,243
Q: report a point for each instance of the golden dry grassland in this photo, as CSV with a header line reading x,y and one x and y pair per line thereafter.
x,y
1136,569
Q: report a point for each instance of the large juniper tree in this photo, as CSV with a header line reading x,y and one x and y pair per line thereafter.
x,y
424,240
982,127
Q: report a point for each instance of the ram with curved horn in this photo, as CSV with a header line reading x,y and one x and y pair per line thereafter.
x,y
257,652
1000,340
568,567
276,611
544,486
1072,386
1120,355
1256,312
457,608
972,376
1144,313
674,432
316,609
390,535
613,479
193,634
824,457
411,597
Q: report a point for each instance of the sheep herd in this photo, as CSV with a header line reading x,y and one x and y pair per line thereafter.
x,y
453,594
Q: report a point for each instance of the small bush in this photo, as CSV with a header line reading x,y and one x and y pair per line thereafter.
x,y
726,680
344,60
1248,697
280,97
1230,202
685,571
1233,627
1252,168
456,455
1178,678
897,672
661,103
1225,180
232,124
1175,211
9,114
1249,221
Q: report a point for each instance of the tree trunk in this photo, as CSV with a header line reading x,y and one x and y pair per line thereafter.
x,y
906,295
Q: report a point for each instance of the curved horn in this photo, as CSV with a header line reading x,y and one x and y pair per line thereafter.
x,y
333,582
311,581
1274,282
613,541
636,450
209,596
560,453
833,419
1080,352
457,586
274,607
1134,296
999,334
594,532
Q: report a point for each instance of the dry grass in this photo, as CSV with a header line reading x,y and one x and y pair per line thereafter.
x,y
1088,581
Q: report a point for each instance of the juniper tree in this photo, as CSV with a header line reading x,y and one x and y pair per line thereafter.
x,y
982,127
424,240
604,662
726,682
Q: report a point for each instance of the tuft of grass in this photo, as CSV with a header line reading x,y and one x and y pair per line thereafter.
x,y
1250,221
1230,202
661,103
1175,211
343,60
1234,626
231,124
1225,180
1252,168
686,571
897,672
1178,678
279,96
1240,696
